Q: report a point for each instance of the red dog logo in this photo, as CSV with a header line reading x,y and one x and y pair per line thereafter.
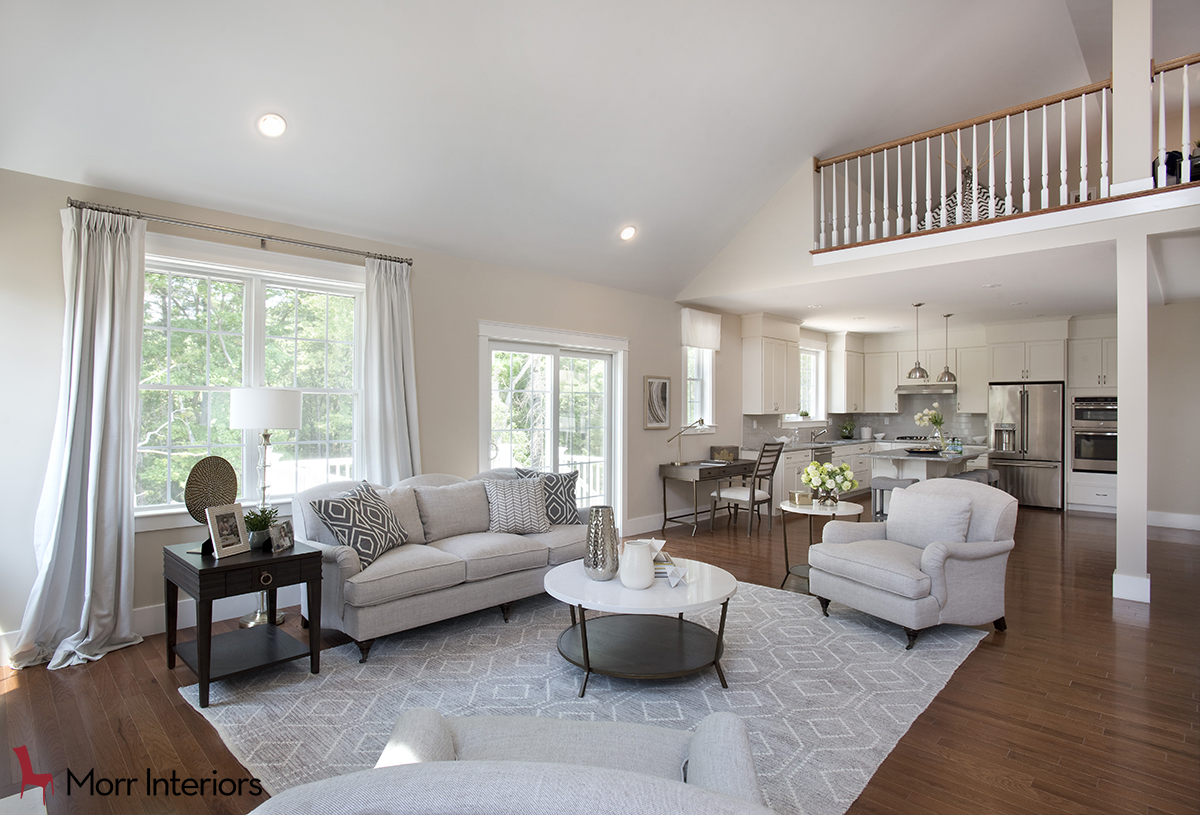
x,y
29,777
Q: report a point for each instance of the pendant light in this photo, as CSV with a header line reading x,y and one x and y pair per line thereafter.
x,y
917,371
946,376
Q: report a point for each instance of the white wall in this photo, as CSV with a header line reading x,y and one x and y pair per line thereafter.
x,y
450,296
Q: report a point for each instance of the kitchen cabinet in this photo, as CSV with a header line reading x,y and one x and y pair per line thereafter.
x,y
846,382
972,373
881,374
856,456
1092,363
1092,489
1037,361
769,383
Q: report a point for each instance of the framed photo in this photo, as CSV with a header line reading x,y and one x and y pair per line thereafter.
x,y
656,399
227,526
282,536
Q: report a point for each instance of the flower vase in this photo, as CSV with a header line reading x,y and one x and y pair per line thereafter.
x,y
826,498
939,439
600,558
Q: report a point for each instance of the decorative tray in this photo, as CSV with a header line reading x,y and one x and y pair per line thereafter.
x,y
923,451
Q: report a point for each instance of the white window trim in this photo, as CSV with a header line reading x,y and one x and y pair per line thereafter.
x,y
192,256
617,346
822,418
708,402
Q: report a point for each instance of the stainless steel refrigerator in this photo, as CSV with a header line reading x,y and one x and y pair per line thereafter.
x,y
1026,425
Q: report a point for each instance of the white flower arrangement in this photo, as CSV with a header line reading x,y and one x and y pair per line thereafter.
x,y
930,416
828,476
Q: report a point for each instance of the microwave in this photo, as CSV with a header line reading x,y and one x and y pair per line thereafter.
x,y
1098,412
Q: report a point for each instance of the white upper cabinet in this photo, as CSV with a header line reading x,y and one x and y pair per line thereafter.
x,y
972,373
846,382
880,377
770,376
1038,360
1092,363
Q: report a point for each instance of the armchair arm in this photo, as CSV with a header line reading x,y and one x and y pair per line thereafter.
x,y
848,532
721,759
967,579
420,735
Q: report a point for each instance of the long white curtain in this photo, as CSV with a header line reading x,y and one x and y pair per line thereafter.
x,y
391,444
81,605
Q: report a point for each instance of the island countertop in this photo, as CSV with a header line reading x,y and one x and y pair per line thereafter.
x,y
948,458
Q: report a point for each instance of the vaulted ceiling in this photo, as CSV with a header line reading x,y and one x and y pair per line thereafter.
x,y
524,133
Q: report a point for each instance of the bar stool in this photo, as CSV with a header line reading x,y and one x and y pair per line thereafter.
x,y
991,477
880,485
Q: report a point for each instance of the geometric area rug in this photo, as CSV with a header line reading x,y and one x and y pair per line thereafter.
x,y
825,698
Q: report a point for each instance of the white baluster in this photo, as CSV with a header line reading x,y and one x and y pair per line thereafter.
x,y
1104,142
942,173
1083,153
821,239
846,233
1026,204
1186,173
1045,160
871,231
991,213
1008,172
887,222
958,157
928,185
913,212
1162,130
1064,195
833,217
858,182
974,172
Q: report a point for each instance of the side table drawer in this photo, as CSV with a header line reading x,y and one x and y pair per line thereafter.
x,y
266,576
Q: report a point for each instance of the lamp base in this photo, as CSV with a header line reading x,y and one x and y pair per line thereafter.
x,y
259,617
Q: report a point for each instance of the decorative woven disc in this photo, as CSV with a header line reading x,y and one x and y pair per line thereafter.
x,y
211,483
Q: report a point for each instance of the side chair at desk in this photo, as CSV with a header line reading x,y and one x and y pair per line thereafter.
x,y
698,472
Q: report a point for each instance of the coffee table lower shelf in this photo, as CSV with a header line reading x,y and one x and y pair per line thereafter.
x,y
246,649
641,646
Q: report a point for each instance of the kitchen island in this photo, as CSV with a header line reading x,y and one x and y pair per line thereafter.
x,y
902,464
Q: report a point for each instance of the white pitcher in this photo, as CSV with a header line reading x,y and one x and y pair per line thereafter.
x,y
637,565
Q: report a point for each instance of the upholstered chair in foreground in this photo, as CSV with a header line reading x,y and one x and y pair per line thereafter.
x,y
940,557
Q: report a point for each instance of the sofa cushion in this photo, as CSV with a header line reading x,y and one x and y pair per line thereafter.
x,y
402,572
453,509
888,565
517,506
362,521
566,542
307,523
920,520
403,503
488,554
561,507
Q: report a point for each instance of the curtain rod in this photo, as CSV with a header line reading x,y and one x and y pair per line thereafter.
x,y
263,238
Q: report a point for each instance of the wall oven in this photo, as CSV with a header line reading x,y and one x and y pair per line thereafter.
x,y
1094,434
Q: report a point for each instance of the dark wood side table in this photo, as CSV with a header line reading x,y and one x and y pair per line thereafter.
x,y
234,652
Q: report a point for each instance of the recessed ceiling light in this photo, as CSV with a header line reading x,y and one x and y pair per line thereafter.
x,y
628,232
272,125
815,305
1019,303
860,318
893,327
991,285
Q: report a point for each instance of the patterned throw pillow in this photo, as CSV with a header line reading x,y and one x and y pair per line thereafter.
x,y
560,494
362,521
517,506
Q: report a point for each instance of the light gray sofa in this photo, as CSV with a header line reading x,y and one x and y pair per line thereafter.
x,y
543,766
940,557
451,564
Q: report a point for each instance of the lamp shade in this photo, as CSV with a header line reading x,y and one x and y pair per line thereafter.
x,y
264,408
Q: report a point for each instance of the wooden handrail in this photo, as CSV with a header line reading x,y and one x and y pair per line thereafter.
x,y
1178,62
978,120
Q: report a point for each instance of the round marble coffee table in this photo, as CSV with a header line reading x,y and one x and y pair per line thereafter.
x,y
640,640
840,508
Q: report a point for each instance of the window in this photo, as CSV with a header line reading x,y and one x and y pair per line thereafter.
x,y
209,328
550,410
812,386
698,379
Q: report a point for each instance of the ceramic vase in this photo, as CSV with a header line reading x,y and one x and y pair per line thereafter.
x,y
637,565
600,559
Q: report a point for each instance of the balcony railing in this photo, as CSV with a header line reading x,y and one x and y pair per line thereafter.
x,y
1040,156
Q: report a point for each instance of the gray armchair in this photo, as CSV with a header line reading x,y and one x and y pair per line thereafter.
x,y
940,557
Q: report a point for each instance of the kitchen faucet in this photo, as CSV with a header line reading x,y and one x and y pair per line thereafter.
x,y
813,435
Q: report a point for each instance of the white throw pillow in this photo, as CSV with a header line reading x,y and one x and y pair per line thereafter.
x,y
920,520
517,506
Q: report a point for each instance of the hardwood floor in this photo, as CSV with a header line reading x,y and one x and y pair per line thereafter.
x,y
1085,705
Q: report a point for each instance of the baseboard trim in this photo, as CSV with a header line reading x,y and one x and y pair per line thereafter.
x,y
1173,520
150,620
640,526
1134,587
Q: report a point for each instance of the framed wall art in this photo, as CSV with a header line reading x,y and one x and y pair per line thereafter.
x,y
656,399
227,526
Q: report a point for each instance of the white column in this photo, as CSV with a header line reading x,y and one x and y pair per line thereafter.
x,y
1131,581
1133,110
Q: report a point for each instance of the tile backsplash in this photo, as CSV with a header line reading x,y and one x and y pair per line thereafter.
x,y
963,425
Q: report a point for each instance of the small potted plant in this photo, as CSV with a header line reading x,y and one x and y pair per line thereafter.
x,y
258,524
804,414
848,429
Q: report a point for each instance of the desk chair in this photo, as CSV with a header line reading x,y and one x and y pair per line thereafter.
x,y
749,493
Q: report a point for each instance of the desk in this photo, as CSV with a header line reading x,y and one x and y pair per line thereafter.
x,y
697,472
840,508
206,578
